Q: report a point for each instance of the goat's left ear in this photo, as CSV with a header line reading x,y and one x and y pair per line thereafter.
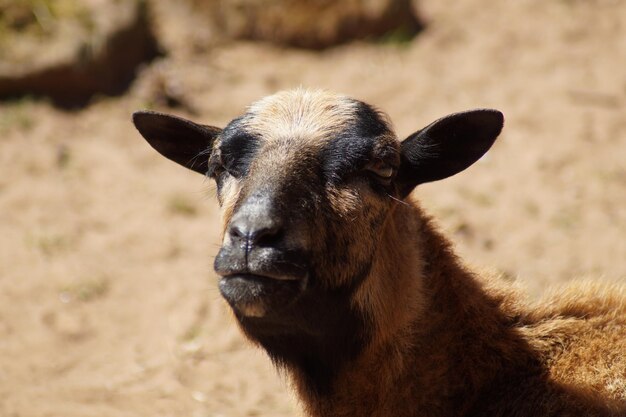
x,y
446,147
177,139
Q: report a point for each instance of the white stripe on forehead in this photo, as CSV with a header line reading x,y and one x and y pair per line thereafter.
x,y
303,114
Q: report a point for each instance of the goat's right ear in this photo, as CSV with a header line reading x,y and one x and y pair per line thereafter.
x,y
446,147
180,140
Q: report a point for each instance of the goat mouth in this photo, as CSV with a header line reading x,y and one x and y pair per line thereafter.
x,y
253,295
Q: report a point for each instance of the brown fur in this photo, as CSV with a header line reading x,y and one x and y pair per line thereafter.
x,y
445,341
449,342
405,329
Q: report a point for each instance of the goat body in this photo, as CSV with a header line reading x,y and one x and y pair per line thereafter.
x,y
332,268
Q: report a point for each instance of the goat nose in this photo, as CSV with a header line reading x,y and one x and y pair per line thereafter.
x,y
253,234
256,222
255,231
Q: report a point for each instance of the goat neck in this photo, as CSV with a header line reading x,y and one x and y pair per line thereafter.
x,y
418,299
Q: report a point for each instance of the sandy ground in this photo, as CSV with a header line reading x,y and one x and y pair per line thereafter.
x,y
108,302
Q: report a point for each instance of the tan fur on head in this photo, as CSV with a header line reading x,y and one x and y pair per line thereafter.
x,y
310,115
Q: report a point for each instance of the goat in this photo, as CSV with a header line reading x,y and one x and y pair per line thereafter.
x,y
332,268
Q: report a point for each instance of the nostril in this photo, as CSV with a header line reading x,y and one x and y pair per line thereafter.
x,y
266,236
237,232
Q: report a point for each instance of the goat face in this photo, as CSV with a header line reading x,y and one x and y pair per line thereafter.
x,y
306,181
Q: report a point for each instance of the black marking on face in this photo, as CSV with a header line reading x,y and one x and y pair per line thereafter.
x,y
237,149
357,145
370,122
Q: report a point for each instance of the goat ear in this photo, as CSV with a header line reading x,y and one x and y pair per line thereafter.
x,y
447,147
177,139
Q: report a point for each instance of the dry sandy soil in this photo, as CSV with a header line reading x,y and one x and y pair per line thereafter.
x,y
108,301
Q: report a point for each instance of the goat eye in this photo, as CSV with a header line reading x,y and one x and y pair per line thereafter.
x,y
380,169
214,171
216,167
231,164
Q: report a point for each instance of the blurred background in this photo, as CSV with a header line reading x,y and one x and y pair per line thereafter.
x,y
108,301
